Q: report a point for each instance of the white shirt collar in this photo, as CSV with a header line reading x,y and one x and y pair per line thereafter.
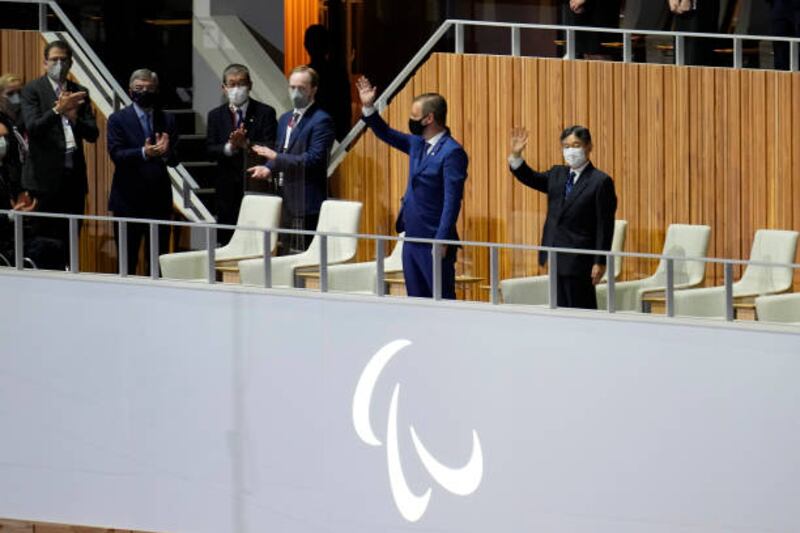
x,y
435,139
578,171
55,85
243,107
303,110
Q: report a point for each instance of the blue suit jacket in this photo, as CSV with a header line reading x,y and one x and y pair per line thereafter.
x,y
305,162
435,187
141,188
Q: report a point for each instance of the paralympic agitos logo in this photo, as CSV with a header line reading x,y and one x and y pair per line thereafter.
x,y
460,481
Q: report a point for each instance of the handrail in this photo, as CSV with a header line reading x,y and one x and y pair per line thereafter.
x,y
458,25
118,97
436,247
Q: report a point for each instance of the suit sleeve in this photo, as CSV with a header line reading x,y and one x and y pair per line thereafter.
x,y
214,148
119,151
37,122
86,124
394,138
531,178
455,174
606,208
317,150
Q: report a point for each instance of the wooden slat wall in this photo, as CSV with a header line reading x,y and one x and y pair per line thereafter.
x,y
21,52
684,145
297,16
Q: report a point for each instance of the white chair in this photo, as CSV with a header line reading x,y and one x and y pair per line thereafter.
x,y
534,290
335,216
769,246
259,211
779,308
682,240
362,277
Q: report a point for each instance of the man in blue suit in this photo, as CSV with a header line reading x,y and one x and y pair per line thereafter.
x,y
298,167
432,201
141,142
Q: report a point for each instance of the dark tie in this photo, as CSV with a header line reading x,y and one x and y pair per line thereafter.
x,y
148,126
570,183
239,118
294,120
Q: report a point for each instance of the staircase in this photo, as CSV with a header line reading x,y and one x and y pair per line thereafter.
x,y
192,155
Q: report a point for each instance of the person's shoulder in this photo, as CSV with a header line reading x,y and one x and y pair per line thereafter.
x,y
261,107
120,114
34,85
318,113
599,175
217,111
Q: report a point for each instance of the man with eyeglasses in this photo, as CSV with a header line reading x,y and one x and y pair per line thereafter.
x,y
58,117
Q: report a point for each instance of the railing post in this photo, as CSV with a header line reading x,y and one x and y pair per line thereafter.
x,y
74,255
729,291
793,59
323,263
494,274
437,271
153,250
516,47
43,17
122,248
611,282
19,244
380,277
627,48
459,34
570,44
552,278
679,50
211,252
670,295
267,259
737,52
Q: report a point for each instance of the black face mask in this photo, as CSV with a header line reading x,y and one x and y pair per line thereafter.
x,y
415,126
145,99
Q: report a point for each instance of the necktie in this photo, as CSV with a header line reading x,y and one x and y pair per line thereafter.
x,y
148,126
570,183
239,118
294,120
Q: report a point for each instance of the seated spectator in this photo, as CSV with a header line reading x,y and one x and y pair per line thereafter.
x,y
141,142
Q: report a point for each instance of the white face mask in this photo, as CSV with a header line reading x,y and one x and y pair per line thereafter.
x,y
3,148
574,157
58,71
14,99
238,95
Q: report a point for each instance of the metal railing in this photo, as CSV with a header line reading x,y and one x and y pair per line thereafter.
x,y
110,90
515,36
494,249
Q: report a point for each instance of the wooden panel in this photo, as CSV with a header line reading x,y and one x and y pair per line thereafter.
x,y
297,16
683,144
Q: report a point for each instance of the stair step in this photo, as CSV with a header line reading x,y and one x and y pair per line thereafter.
x,y
203,172
184,120
192,148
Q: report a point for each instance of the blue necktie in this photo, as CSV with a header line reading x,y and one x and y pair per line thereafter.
x,y
239,118
148,127
570,183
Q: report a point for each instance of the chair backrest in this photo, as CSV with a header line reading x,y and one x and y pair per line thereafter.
x,y
394,262
770,246
617,244
685,240
337,216
260,211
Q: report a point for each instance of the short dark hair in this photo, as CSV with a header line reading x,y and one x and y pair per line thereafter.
x,y
308,70
581,132
62,45
235,68
436,104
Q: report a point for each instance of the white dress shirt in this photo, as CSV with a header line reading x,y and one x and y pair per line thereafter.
x,y
69,136
289,128
229,150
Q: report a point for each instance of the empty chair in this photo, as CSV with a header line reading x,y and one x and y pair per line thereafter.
x,y
779,308
257,211
682,240
362,277
534,290
769,246
335,216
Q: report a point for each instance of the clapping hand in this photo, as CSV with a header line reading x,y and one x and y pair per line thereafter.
x,y
259,172
577,6
519,140
265,152
159,149
24,203
366,91
238,138
68,103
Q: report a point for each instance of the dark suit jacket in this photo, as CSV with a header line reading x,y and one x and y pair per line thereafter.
x,y
435,187
583,220
141,188
261,125
44,170
305,162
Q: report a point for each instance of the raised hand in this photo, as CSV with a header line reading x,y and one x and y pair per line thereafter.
x,y
366,91
519,140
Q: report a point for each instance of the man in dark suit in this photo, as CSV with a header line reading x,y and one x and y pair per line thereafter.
x,y
581,203
141,142
299,165
232,128
437,171
591,13
58,117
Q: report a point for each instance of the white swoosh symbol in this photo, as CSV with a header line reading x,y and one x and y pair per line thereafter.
x,y
362,399
409,504
461,481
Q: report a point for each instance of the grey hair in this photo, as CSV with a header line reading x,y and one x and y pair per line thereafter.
x,y
235,68
144,74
